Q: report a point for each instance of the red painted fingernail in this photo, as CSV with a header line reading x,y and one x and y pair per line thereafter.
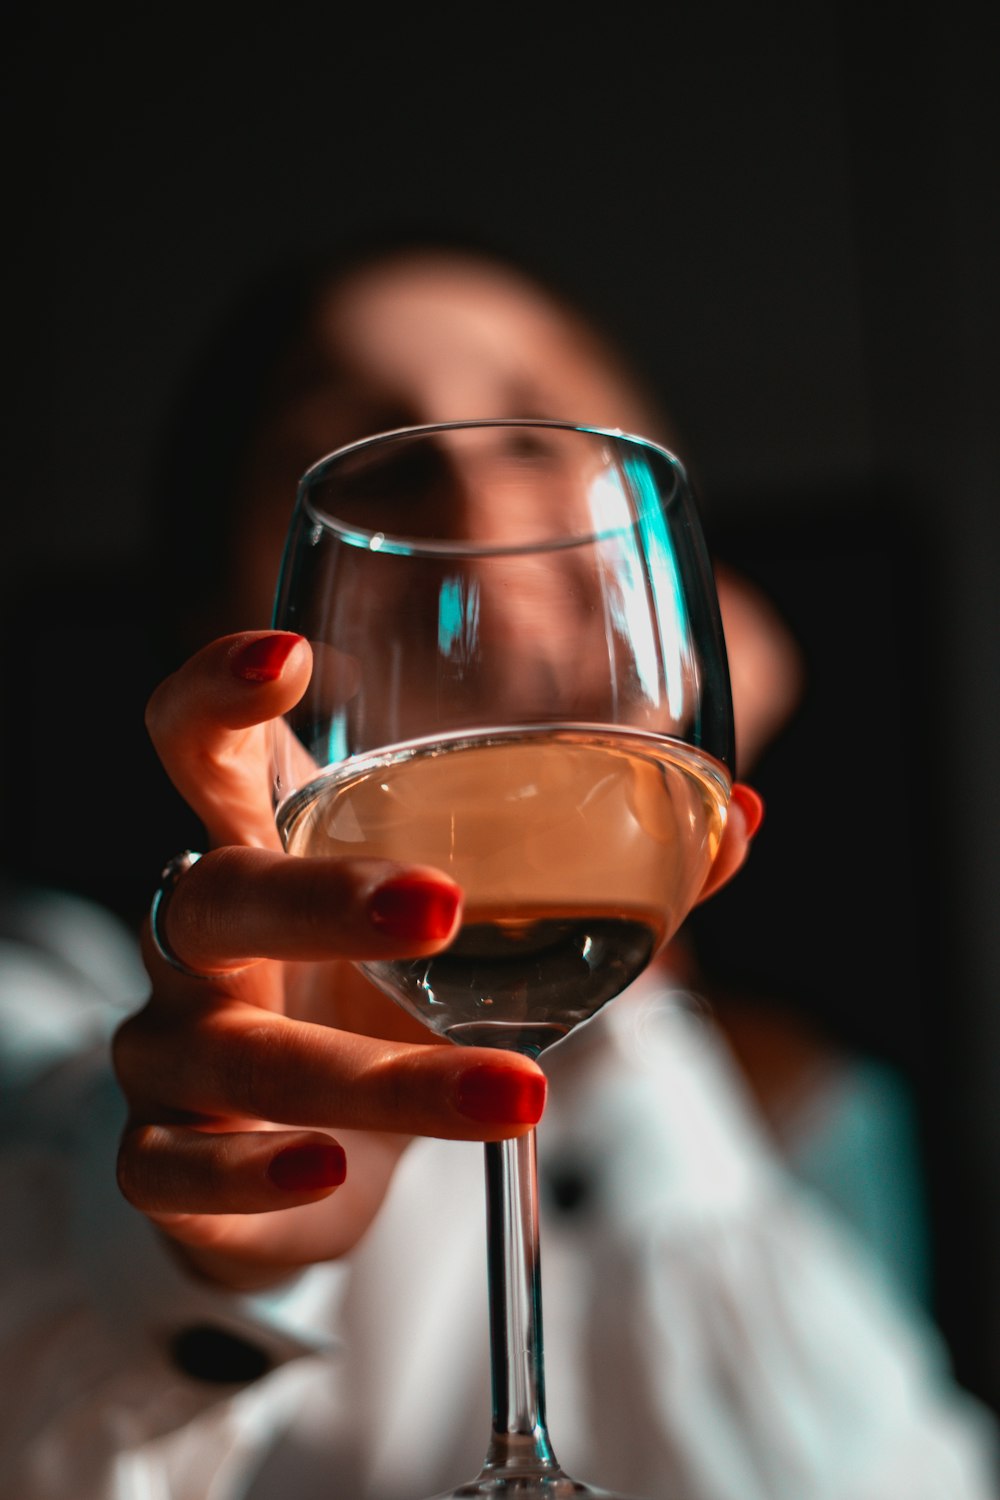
x,y
307,1169
751,804
261,660
495,1095
411,906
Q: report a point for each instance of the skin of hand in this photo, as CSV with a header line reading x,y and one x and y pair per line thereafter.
x,y
235,1081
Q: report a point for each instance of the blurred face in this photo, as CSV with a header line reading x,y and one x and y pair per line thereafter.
x,y
438,336
532,600
423,338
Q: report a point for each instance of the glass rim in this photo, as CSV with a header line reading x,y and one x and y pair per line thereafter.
x,y
375,540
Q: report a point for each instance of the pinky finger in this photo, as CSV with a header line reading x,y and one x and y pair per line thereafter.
x,y
167,1170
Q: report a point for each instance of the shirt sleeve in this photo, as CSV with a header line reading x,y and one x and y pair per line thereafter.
x,y
107,1345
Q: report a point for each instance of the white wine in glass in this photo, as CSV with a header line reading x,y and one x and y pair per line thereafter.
x,y
520,678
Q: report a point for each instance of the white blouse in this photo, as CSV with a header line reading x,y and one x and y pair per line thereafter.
x,y
712,1331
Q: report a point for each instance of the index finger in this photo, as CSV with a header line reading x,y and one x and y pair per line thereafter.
x,y
209,724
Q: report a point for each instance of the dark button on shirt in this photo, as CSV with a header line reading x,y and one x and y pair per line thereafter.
x,y
567,1185
212,1354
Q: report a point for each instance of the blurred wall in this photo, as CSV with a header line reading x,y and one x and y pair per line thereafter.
x,y
790,211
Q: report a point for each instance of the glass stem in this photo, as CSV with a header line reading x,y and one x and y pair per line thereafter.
x,y
520,1442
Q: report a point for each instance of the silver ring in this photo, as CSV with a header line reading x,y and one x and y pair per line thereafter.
x,y
169,876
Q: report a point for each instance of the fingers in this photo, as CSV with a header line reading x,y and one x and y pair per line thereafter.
x,y
230,1105
268,1206
746,813
216,1186
248,1207
237,904
234,1063
166,1169
208,724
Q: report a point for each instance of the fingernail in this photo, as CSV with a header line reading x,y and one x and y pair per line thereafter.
x,y
306,1169
494,1095
751,804
261,660
412,906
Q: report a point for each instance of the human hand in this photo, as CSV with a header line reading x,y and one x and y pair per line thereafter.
x,y
235,1075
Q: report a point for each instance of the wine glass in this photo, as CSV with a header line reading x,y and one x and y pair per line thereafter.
x,y
520,678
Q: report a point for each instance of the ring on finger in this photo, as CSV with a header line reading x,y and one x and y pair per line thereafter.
x,y
171,873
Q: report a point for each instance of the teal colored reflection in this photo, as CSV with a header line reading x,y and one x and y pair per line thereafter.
x,y
668,593
458,616
336,741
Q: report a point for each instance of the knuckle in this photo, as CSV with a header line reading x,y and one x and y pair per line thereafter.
x,y
126,1047
251,1066
396,1083
157,712
133,1153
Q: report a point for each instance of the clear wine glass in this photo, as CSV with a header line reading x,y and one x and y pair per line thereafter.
x,y
519,677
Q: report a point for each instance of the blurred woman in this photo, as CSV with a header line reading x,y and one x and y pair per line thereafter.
x,y
291,1301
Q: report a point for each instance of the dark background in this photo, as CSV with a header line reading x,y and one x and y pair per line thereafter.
x,y
790,211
